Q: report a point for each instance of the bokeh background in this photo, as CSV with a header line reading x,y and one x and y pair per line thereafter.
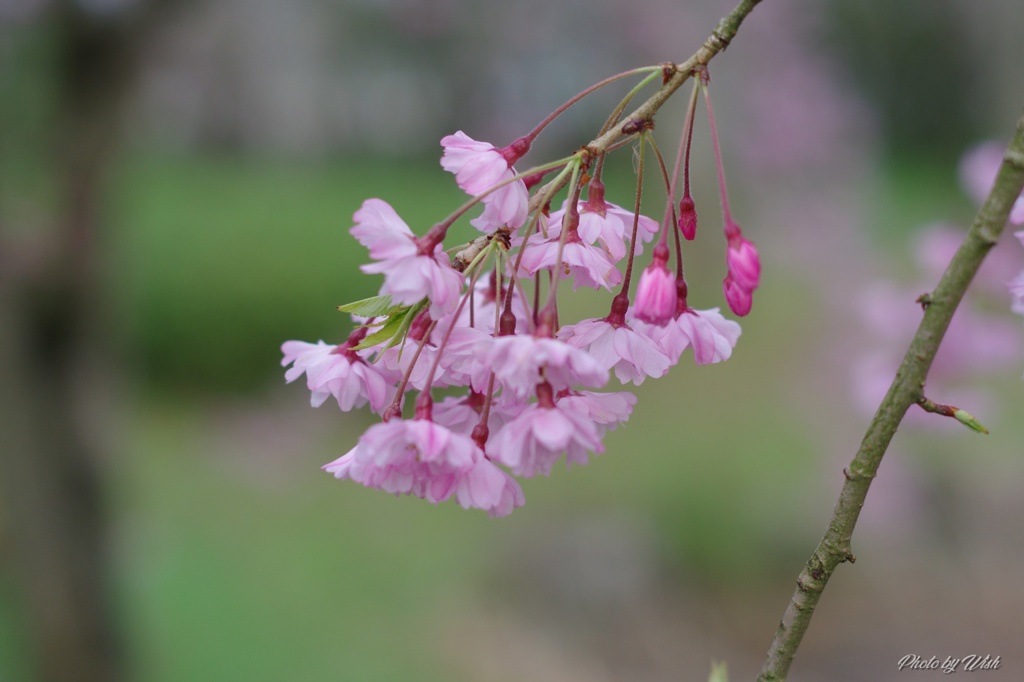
x,y
178,179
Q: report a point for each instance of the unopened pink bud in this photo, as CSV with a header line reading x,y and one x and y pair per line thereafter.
x,y
655,294
744,263
688,217
739,298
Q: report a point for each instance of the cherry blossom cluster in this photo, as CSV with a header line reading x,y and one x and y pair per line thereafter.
x,y
522,383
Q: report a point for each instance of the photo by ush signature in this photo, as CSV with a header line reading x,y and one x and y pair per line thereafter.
x,y
950,664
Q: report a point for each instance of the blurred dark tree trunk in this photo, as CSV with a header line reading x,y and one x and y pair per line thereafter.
x,y
51,339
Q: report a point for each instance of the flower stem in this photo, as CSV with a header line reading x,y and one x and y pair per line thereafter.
x,y
474,268
569,223
437,233
616,114
723,191
395,408
636,212
654,71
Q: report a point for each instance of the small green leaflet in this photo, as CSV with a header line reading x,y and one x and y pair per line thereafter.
x,y
375,306
395,328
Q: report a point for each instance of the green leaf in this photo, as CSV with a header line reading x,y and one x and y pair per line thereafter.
x,y
395,327
718,673
375,306
387,331
406,323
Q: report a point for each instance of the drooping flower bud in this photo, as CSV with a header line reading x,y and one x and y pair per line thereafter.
x,y
739,298
656,293
687,217
744,262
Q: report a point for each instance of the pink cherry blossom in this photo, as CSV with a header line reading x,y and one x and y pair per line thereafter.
x,y
479,166
421,458
532,442
632,355
587,265
397,362
408,274
711,336
487,486
462,414
330,370
517,362
509,207
606,410
461,362
380,230
609,225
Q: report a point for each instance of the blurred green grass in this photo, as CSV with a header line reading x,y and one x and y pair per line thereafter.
x,y
218,261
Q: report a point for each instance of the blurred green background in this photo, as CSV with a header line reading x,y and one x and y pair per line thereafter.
x,y
178,181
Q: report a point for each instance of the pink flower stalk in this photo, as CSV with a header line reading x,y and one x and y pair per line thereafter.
x,y
532,442
656,292
421,458
517,362
632,355
479,166
335,370
978,170
408,274
744,273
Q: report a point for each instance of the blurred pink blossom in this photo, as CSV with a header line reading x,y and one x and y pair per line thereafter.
x,y
978,171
